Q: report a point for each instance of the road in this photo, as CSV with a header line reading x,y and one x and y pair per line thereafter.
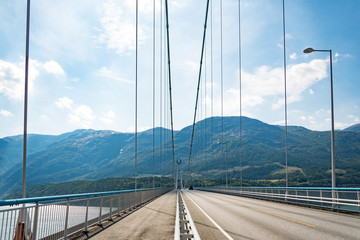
x,y
231,217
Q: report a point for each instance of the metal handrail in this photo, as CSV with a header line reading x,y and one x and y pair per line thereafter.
x,y
300,195
57,217
12,202
308,198
292,188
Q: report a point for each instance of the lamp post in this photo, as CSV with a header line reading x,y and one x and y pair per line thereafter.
x,y
178,172
333,180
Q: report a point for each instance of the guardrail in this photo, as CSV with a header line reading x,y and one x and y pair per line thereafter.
x,y
346,199
184,226
58,217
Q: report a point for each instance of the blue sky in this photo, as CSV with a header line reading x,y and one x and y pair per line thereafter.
x,y
82,67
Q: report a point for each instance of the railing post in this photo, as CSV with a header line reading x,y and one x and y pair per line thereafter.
x,y
111,206
100,212
321,197
307,195
358,197
126,201
36,218
86,216
119,205
66,218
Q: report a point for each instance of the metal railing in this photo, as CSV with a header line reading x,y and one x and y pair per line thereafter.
x,y
58,217
184,225
346,199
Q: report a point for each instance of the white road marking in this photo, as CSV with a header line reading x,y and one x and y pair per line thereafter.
x,y
216,225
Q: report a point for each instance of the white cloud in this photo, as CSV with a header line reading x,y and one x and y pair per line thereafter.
x,y
193,65
44,117
12,76
109,74
293,56
109,117
289,36
267,82
309,119
6,113
321,111
118,27
311,92
280,123
209,85
338,56
11,79
339,125
266,85
82,116
53,67
64,103
140,129
354,118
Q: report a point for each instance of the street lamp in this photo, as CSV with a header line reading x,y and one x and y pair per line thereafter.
x,y
178,173
333,181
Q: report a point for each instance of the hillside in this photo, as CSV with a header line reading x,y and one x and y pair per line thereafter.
x,y
353,128
90,154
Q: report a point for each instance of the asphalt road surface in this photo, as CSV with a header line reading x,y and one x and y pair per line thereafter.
x,y
220,216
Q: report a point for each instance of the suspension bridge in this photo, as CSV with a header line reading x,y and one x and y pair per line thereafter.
x,y
186,210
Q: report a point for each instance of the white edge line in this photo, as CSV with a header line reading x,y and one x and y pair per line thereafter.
x,y
216,225
192,224
177,226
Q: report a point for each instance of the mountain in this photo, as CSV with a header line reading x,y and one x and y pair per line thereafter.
x,y
90,154
11,148
353,128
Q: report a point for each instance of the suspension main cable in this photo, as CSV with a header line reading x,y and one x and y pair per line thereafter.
x,y
169,69
198,85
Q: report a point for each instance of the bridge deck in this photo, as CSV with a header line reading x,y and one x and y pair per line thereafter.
x,y
244,218
156,220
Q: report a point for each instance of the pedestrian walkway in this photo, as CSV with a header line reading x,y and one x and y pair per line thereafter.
x,y
155,220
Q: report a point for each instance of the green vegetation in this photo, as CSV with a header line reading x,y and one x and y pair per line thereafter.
x,y
90,154
89,186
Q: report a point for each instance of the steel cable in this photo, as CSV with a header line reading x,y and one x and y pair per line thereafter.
x,y
198,86
286,140
170,93
136,89
240,97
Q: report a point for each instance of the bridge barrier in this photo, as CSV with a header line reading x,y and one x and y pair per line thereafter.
x,y
339,199
184,225
58,217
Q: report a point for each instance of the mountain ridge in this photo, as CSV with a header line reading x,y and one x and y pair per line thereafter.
x,y
96,154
